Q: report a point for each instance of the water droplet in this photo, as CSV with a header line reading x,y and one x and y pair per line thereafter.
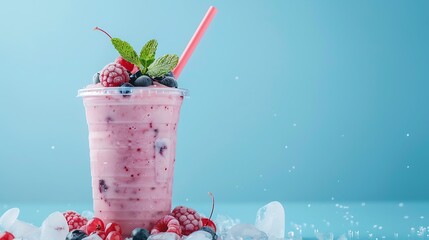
x,y
332,198
52,147
260,175
309,205
236,77
290,170
275,115
293,167
363,204
408,166
342,135
375,226
406,217
422,217
286,146
407,134
380,227
294,124
401,204
187,199
265,189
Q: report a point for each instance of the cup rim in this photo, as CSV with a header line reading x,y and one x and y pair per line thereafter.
x,y
115,91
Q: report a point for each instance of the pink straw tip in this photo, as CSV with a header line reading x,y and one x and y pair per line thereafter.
x,y
194,41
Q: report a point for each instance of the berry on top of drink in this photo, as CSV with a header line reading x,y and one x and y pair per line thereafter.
x,y
144,64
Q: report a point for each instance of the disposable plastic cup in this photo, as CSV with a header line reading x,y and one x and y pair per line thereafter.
x,y
132,143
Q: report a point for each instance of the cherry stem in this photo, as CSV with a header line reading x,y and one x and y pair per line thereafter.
x,y
101,30
213,204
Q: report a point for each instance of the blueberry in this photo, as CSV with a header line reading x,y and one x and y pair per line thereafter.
x,y
169,74
209,230
134,76
168,81
140,234
76,235
143,81
96,78
126,88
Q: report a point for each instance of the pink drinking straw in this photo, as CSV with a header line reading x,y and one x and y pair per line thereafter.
x,y
194,41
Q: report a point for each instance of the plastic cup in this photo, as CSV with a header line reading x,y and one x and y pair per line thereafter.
x,y
132,142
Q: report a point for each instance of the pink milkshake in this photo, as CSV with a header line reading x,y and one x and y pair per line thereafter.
x,y
132,139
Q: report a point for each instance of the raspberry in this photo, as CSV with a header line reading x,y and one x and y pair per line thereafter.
x,y
113,75
189,219
124,63
6,236
74,220
167,224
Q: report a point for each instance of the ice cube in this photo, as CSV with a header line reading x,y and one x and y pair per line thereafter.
x,y
245,232
200,235
224,223
87,214
93,237
25,230
8,218
54,227
271,220
164,236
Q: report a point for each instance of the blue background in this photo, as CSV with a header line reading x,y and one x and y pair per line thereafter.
x,y
290,100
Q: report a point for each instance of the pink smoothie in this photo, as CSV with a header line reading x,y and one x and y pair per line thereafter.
x,y
132,140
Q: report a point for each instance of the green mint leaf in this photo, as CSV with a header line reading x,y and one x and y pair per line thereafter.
x,y
163,65
147,54
126,51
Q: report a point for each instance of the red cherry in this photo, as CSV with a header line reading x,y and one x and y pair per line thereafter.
x,y
6,236
124,63
110,227
100,233
114,236
94,224
208,223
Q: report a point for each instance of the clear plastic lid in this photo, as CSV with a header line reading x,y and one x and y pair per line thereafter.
x,y
146,91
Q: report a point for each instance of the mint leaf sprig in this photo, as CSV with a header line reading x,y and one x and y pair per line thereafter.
x,y
146,62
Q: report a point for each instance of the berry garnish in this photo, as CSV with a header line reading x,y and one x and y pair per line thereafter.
x,y
134,76
168,81
124,63
143,81
167,224
96,78
101,234
140,234
76,235
110,227
94,224
210,230
145,61
126,89
114,236
189,219
74,220
6,236
113,75
207,221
